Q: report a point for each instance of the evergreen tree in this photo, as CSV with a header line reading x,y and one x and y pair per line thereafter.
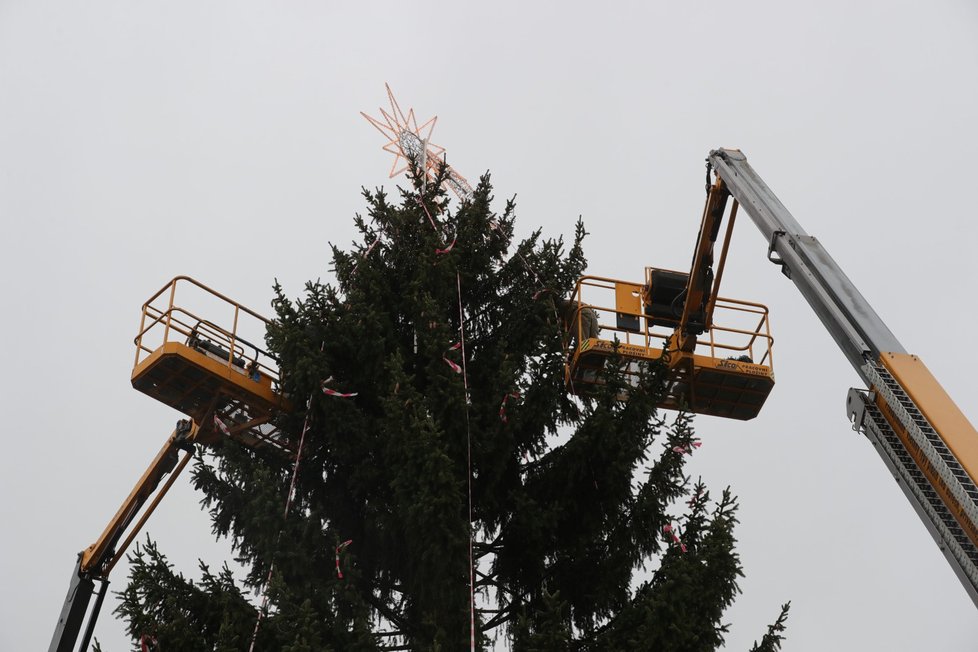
x,y
462,443
771,642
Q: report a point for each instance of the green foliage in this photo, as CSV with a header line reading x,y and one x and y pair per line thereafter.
x,y
211,614
567,501
771,642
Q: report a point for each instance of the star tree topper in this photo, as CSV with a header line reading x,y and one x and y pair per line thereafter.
x,y
406,141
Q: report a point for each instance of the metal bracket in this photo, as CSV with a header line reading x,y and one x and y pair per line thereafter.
x,y
186,433
856,407
774,257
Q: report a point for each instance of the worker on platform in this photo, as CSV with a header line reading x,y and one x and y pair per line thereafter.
x,y
579,319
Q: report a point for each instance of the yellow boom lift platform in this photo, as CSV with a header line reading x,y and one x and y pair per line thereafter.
x,y
927,443
212,372
717,350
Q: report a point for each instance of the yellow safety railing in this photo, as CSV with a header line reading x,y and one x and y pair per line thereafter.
x,y
749,334
166,317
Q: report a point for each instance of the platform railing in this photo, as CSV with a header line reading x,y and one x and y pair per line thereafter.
x,y
750,336
758,337
165,319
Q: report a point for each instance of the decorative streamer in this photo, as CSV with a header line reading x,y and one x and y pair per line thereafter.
x,y
688,449
340,547
431,220
668,529
447,249
380,236
332,392
371,247
457,369
220,425
502,408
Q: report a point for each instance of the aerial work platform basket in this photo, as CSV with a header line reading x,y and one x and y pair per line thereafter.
x,y
726,371
197,352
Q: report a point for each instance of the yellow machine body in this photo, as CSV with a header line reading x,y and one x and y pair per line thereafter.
x,y
209,370
195,352
947,420
727,371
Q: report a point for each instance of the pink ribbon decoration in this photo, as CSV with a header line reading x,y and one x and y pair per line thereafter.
x,y
457,369
431,220
668,529
687,450
371,247
447,249
367,252
145,641
220,426
340,547
502,408
332,392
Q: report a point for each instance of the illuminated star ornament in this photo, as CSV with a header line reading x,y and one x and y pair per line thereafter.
x,y
406,141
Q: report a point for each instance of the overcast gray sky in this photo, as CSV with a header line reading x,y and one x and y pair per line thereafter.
x,y
222,140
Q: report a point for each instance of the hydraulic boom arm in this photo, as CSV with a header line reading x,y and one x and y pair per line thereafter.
x,y
925,440
96,562
226,386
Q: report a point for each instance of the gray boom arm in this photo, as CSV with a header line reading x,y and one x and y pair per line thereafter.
x,y
862,336
848,317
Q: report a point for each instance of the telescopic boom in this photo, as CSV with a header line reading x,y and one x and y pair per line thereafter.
x,y
928,444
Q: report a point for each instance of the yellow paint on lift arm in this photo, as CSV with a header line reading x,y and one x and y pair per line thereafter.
x,y
935,404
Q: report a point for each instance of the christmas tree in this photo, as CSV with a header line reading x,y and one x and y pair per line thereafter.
x,y
448,486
